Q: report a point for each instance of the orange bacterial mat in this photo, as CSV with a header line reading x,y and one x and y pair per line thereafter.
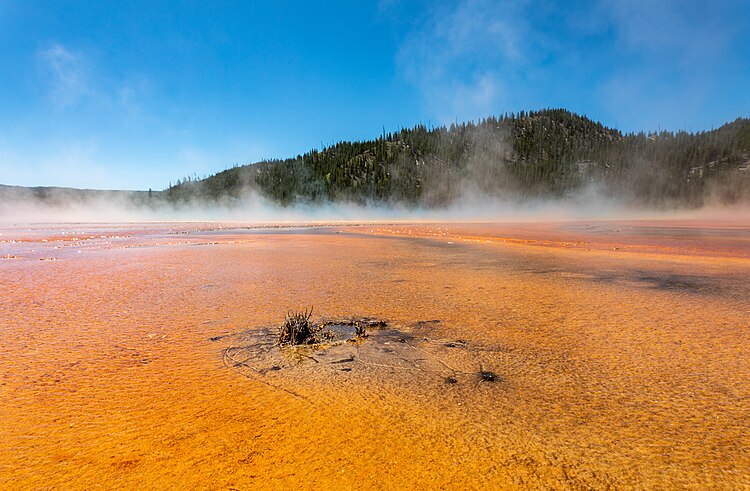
x,y
619,355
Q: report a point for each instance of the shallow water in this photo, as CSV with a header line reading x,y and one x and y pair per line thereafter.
x,y
621,351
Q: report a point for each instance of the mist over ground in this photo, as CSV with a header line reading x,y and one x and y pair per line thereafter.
x,y
548,164
74,206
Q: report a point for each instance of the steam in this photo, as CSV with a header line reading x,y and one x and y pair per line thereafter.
x,y
483,189
20,205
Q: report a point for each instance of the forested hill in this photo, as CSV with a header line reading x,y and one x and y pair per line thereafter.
x,y
545,154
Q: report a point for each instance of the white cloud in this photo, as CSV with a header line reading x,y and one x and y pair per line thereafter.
x,y
74,80
462,100
67,76
461,55
675,54
637,62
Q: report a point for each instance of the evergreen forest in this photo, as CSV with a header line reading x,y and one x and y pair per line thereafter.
x,y
550,154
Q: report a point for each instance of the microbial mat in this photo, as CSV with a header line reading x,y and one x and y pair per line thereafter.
x,y
560,355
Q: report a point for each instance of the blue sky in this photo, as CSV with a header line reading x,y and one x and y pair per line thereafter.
x,y
133,95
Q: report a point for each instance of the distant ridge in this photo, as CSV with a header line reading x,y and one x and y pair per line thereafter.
x,y
55,195
552,153
547,154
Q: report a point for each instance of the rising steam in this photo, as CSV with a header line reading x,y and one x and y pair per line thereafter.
x,y
66,206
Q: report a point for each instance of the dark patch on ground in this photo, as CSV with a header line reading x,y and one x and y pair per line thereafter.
x,y
685,283
682,283
487,376
411,355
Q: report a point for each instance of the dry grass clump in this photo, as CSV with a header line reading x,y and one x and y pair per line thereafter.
x,y
297,329
360,330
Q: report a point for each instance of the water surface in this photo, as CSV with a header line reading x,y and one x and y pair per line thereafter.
x,y
621,352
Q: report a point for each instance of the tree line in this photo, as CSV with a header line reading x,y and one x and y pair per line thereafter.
x,y
552,153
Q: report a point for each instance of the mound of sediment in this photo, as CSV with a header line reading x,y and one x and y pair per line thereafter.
x,y
363,349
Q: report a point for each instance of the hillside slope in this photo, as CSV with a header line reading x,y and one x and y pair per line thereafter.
x,y
544,154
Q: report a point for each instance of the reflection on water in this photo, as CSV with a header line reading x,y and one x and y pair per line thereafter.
x,y
618,360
